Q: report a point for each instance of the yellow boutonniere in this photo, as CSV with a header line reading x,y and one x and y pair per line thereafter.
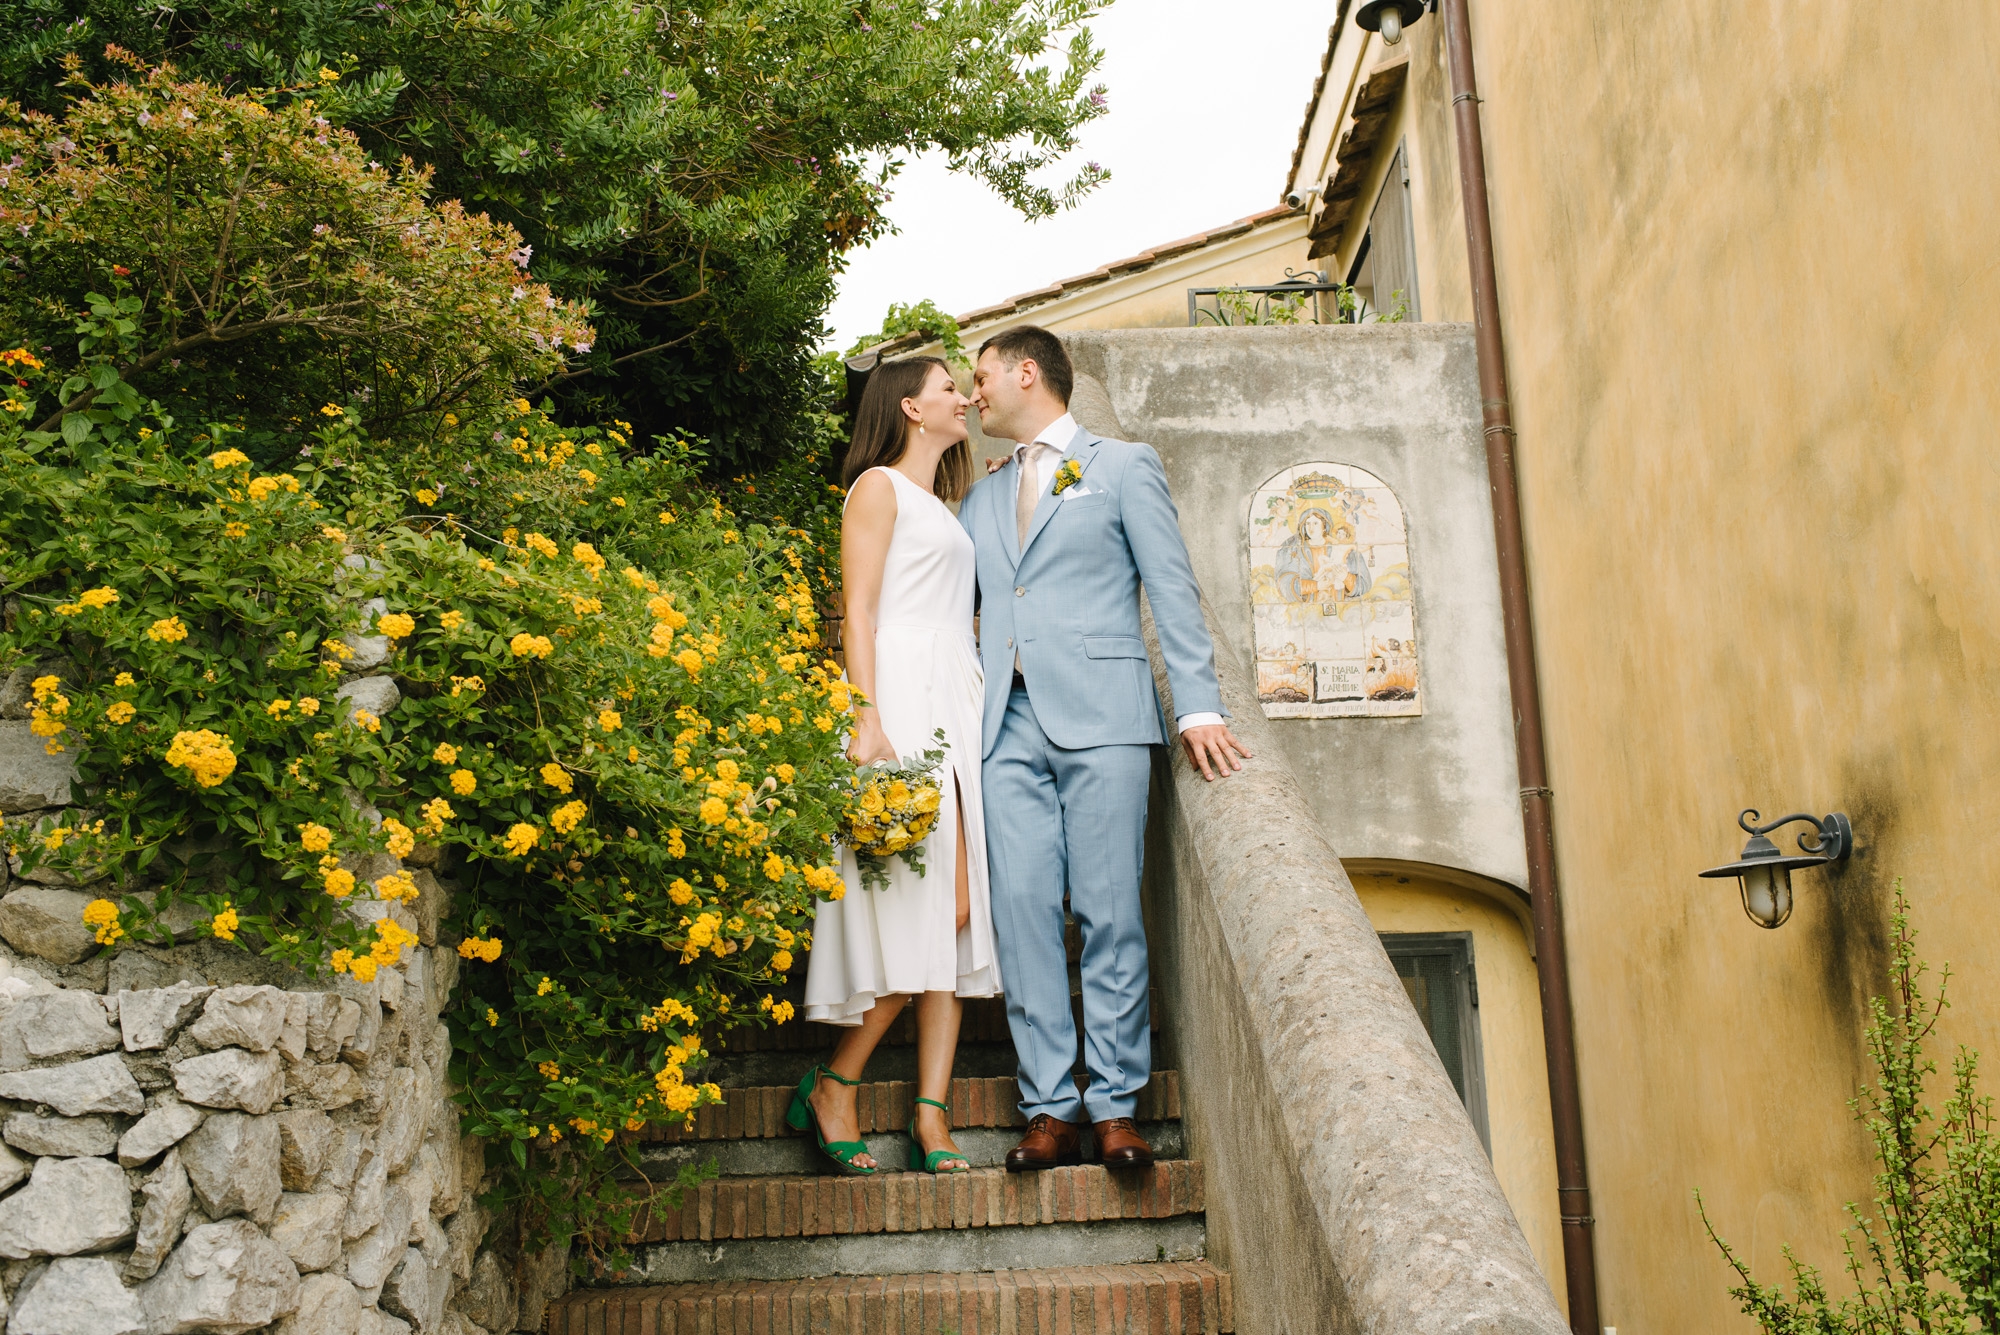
x,y
1067,476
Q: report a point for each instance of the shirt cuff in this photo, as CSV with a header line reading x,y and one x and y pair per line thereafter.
x,y
1187,721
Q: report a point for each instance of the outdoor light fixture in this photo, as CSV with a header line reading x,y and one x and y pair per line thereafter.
x,y
1765,873
1390,17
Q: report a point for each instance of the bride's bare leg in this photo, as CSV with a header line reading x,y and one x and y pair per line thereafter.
x,y
832,1101
962,875
937,1044
938,1015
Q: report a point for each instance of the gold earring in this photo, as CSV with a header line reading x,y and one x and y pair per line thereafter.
x,y
920,426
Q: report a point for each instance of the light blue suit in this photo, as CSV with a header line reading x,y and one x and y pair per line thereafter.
x,y
1067,760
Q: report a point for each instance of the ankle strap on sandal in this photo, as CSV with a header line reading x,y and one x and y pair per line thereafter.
x,y
933,1102
833,1074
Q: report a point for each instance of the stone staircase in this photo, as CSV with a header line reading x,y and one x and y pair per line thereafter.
x,y
776,1246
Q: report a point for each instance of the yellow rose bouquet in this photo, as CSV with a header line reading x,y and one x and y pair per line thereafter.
x,y
891,810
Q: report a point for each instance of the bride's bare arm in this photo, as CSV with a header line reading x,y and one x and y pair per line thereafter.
x,y
865,532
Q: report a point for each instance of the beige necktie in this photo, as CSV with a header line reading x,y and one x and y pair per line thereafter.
x,y
1029,494
1026,497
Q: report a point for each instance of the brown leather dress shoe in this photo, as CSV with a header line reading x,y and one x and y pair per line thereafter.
x,y
1050,1143
1119,1144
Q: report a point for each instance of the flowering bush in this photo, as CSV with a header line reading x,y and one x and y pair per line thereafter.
x,y
616,724
239,258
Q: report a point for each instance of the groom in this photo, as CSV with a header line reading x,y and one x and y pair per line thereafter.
x,y
1064,535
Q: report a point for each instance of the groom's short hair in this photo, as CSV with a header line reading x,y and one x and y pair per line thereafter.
x,y
1030,342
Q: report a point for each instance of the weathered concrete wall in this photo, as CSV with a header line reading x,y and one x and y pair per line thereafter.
x,y
1227,408
1350,1191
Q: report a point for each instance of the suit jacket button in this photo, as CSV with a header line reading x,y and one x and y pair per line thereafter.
x,y
1019,592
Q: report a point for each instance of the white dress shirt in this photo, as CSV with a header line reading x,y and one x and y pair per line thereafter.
x,y
1058,435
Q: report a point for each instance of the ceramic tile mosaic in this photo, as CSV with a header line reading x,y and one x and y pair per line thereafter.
x,y
1333,606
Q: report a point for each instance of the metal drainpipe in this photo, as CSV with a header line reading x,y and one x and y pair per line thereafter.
x,y
1551,961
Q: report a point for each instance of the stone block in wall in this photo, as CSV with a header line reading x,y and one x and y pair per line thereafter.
x,y
13,1169
377,695
168,1198
368,650
231,1078
224,1279
307,1227
416,1292
431,906
63,1024
545,1277
327,1085
490,1299
292,1037
47,922
403,1120
439,1159
64,1137
99,1085
169,1123
305,1142
69,1206
463,1233
241,1017
233,1161
377,1322
18,688
31,778
328,1305
375,1253
417,1185
77,1295
330,1022
149,1019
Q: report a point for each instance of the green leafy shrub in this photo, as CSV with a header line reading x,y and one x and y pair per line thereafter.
x,y
613,731
1929,1260
242,260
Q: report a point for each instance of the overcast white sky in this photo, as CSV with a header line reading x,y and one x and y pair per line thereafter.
x,y
1206,99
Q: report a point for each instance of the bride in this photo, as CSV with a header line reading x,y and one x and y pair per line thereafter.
x,y
908,574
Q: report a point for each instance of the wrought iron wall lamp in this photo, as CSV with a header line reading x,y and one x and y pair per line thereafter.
x,y
1390,17
1764,872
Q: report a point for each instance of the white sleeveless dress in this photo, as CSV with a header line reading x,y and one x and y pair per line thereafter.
x,y
902,939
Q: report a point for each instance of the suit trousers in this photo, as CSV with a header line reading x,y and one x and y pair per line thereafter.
x,y
1074,817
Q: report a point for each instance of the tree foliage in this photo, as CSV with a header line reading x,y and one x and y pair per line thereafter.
x,y
694,170
240,258
1929,1257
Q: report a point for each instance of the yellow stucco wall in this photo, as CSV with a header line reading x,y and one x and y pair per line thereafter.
x,y
1747,266
1510,1034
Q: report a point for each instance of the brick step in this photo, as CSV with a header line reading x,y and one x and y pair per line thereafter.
x,y
1186,1298
758,1112
904,1202
983,1147
984,1021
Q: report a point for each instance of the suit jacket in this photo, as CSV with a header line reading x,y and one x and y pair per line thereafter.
x,y
1068,599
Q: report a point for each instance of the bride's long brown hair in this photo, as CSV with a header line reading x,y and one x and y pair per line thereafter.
x,y
881,431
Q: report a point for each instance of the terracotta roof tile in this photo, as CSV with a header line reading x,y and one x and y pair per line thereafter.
x,y
1130,264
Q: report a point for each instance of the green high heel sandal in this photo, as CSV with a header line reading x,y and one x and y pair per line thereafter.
x,y
801,1116
928,1163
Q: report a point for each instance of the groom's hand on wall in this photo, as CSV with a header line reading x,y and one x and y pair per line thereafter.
x,y
1214,750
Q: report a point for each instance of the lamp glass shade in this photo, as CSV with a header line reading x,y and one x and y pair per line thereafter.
x,y
1767,894
1392,26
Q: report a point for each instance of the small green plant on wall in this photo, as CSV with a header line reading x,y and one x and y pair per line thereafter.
x,y
1928,1257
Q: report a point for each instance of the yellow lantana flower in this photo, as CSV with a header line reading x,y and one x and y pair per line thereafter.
x,y
556,777
463,781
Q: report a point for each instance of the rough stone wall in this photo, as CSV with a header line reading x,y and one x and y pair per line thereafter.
x,y
193,1139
